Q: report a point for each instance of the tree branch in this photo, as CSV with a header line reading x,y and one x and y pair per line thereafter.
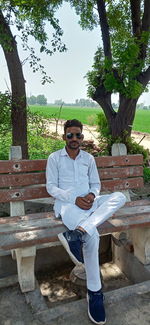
x,y
104,28
4,30
145,26
135,6
146,16
103,98
9,46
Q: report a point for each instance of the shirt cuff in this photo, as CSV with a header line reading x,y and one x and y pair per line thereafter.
x,y
72,198
94,191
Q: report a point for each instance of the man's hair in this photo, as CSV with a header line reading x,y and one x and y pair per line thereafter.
x,y
70,123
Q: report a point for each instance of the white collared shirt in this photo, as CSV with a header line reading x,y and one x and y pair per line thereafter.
x,y
66,178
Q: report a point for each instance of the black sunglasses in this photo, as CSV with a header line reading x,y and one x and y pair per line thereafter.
x,y
78,135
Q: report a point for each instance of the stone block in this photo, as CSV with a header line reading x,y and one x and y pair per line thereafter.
x,y
141,243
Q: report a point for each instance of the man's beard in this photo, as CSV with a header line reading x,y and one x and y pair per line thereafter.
x,y
70,146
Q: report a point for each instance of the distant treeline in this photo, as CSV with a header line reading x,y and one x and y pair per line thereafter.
x,y
89,103
39,100
82,102
78,103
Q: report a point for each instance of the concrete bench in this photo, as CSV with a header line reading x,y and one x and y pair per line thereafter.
x,y
22,180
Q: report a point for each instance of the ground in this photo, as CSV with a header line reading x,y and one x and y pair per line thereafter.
x,y
63,286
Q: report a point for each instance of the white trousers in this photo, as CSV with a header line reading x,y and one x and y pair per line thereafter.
x,y
104,206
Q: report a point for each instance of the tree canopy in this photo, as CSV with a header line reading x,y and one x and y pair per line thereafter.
x,y
122,63
33,19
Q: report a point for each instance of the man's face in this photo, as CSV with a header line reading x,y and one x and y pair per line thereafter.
x,y
73,137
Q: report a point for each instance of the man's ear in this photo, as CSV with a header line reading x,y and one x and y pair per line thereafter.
x,y
82,136
64,137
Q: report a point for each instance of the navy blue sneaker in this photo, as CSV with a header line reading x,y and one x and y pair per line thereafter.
x,y
96,310
72,242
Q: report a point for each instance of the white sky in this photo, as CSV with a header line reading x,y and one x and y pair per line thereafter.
x,y
66,69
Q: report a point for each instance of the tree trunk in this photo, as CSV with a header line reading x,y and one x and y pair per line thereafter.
x,y
18,113
120,123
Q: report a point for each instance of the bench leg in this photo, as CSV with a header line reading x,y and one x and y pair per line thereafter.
x,y
25,264
141,243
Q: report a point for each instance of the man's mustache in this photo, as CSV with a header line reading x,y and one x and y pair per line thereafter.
x,y
74,142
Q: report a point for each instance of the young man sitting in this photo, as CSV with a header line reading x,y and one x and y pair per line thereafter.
x,y
73,180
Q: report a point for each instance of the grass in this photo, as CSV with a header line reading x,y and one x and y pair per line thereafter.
x,y
89,115
67,112
142,121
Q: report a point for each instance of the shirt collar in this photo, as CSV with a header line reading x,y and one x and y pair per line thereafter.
x,y
64,152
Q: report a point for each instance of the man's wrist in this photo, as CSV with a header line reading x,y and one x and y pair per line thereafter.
x,y
92,194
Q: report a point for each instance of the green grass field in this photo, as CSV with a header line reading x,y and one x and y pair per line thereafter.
x,y
142,121
89,115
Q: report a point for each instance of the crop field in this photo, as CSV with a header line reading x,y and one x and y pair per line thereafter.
x,y
142,121
89,115
69,112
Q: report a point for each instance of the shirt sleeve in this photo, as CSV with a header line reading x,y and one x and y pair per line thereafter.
x,y
94,180
52,175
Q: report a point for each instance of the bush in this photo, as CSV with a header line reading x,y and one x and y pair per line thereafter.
x,y
5,113
135,148
40,147
147,175
106,140
5,143
91,119
40,144
102,125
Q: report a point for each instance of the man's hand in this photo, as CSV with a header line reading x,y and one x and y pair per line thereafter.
x,y
85,202
90,197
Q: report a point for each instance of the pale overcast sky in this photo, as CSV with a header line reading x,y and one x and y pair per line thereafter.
x,y
66,69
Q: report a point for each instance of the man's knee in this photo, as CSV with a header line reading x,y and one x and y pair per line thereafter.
x,y
119,196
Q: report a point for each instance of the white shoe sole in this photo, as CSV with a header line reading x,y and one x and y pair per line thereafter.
x,y
91,318
67,248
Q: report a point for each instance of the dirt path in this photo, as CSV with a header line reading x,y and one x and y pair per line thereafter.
x,y
90,133
142,138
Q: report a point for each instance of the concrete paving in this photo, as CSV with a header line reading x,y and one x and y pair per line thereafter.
x,y
14,309
125,306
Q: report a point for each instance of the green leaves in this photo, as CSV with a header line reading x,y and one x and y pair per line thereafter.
x,y
30,17
133,89
86,11
5,113
121,73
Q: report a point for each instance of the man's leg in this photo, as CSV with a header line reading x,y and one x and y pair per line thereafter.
x,y
72,240
96,310
72,215
78,220
107,206
91,260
